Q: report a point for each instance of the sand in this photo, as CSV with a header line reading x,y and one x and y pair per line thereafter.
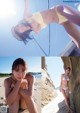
x,y
2,94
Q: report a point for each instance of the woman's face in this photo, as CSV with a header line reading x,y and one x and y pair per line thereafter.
x,y
19,73
67,71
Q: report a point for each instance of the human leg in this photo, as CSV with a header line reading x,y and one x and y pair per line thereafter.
x,y
65,94
29,102
48,16
13,108
72,105
70,13
23,105
67,99
73,32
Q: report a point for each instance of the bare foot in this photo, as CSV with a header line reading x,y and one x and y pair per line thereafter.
x,y
70,111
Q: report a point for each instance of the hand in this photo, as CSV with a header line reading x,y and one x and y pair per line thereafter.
x,y
71,111
24,84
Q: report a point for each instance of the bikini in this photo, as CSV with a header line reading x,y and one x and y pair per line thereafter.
x,y
61,18
37,17
66,89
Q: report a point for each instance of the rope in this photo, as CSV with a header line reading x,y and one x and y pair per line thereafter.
x,y
49,41
40,46
49,33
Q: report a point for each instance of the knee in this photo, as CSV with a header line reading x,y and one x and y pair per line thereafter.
x,y
60,8
26,94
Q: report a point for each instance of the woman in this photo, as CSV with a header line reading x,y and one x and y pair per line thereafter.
x,y
64,87
61,14
19,88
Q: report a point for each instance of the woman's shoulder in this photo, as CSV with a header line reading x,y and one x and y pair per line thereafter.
x,y
62,75
29,76
7,80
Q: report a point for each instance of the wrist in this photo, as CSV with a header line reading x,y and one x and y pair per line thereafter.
x,y
18,83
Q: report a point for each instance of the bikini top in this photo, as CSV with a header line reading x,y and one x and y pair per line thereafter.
x,y
38,18
65,78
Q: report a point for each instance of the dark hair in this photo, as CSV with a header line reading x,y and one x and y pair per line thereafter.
x,y
25,36
68,68
18,62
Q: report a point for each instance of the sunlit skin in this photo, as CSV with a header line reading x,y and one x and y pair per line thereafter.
x,y
19,75
63,86
20,87
50,16
65,83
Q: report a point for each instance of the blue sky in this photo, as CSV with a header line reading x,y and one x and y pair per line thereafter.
x,y
9,46
34,64
55,69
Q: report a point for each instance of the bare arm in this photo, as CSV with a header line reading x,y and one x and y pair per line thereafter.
x,y
11,95
61,83
70,67
29,91
31,85
27,9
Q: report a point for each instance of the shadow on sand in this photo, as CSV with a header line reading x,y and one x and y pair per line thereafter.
x,y
63,108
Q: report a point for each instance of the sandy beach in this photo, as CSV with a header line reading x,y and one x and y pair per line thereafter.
x,y
2,94
57,105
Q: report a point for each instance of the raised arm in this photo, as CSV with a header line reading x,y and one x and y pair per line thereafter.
x,y
29,91
61,82
31,85
70,67
27,9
